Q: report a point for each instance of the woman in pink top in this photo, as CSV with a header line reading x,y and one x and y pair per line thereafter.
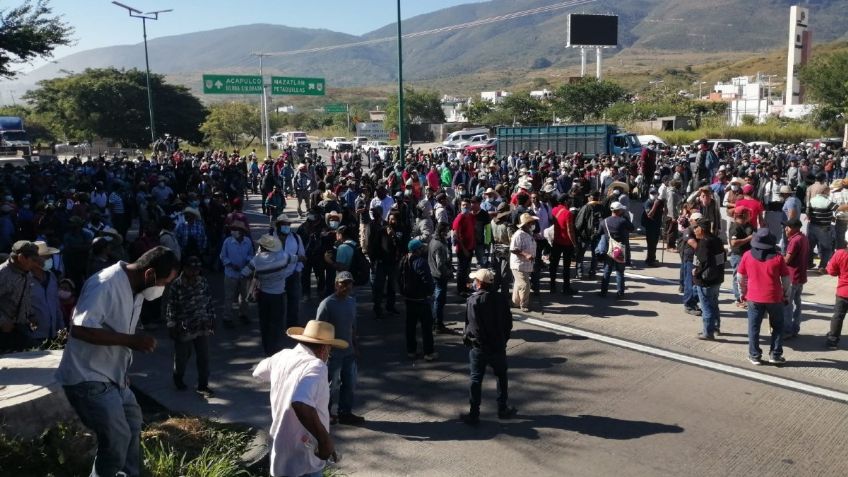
x,y
764,281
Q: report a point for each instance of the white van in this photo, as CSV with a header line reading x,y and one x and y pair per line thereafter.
x,y
456,137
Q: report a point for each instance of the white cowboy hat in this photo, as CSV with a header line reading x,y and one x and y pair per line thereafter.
x,y
484,275
45,250
270,243
526,219
620,184
319,332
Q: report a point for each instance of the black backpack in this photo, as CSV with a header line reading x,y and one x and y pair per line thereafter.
x,y
408,281
360,268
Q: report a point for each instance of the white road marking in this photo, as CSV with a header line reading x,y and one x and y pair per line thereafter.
x,y
702,363
670,281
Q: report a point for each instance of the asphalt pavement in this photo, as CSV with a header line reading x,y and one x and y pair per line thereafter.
x,y
603,387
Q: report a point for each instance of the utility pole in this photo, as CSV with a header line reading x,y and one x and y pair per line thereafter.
x,y
136,13
401,152
264,126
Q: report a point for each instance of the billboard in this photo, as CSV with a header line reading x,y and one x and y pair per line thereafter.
x,y
592,30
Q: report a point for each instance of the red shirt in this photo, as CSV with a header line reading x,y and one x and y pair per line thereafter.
x,y
562,219
799,248
463,226
838,267
763,278
756,208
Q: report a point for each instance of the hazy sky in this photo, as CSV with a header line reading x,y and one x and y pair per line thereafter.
x,y
99,23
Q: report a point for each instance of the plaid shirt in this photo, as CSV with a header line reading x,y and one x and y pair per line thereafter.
x,y
191,231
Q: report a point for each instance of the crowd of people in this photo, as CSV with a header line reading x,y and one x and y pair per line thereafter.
x,y
158,229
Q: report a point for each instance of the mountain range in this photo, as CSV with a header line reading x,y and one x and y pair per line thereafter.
x,y
528,43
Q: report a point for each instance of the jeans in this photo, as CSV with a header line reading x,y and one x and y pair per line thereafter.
x,y
479,360
342,373
734,264
756,312
792,310
690,297
272,321
708,298
503,274
566,252
839,310
419,312
582,247
293,294
821,236
383,285
115,417
610,266
182,353
440,296
536,275
463,268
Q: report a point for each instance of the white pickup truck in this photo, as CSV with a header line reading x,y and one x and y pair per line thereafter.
x,y
339,144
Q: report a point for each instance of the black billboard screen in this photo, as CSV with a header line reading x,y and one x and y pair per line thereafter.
x,y
592,30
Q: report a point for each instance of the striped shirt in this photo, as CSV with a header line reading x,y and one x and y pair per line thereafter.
x,y
116,203
271,269
821,210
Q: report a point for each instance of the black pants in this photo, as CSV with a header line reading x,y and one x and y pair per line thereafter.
x,y
463,269
536,275
419,312
182,353
566,252
503,275
272,321
306,278
479,360
839,310
652,237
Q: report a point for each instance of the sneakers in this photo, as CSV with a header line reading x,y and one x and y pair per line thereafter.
x,y
443,330
431,357
692,311
205,392
179,384
776,360
350,419
470,418
755,360
525,309
507,412
832,345
717,332
704,337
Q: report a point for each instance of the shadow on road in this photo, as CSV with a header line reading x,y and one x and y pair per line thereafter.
x,y
524,427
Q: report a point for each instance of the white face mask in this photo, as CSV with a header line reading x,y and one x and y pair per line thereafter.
x,y
48,265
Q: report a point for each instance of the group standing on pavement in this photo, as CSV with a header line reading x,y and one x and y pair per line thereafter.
x,y
398,227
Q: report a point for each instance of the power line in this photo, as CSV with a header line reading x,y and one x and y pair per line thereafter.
x,y
460,26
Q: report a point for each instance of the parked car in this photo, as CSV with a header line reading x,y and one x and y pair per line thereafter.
x,y
491,144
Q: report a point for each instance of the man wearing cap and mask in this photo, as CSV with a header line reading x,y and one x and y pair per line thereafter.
x,y
300,400
94,365
292,245
416,285
44,294
764,281
15,295
488,324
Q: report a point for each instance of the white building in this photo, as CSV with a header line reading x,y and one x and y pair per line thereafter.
x,y
453,108
746,97
287,109
494,97
542,94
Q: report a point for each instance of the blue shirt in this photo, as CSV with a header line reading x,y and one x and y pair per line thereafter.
x,y
792,203
341,313
235,255
44,304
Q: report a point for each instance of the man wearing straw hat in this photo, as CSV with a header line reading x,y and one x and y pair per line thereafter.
x,y
522,249
300,399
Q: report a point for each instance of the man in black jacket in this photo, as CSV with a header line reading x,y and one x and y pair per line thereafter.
x,y
488,324
707,276
416,285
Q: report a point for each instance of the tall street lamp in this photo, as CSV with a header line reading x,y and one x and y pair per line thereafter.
x,y
136,13
401,152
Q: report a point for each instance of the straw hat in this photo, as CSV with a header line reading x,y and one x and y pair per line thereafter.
x,y
319,332
239,225
329,196
503,209
526,219
836,184
620,185
270,243
484,275
283,219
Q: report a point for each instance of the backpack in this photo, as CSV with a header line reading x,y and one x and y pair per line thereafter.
x,y
408,281
586,223
360,268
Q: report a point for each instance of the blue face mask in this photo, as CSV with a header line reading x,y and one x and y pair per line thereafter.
x,y
285,229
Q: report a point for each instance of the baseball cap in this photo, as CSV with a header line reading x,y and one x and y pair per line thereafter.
x,y
414,245
747,189
484,275
25,248
344,277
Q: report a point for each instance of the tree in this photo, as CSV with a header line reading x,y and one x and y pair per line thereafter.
x,y
420,107
111,103
478,111
523,109
234,124
28,32
586,99
824,79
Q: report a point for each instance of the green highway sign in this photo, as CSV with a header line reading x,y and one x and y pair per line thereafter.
x,y
335,108
232,84
283,85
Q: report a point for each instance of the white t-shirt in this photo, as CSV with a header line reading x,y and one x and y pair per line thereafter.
x,y
296,375
106,301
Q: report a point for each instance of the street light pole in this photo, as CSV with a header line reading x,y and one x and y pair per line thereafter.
x,y
136,13
401,152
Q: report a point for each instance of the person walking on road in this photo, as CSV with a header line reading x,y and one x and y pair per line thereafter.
x,y
563,246
522,249
95,364
300,401
488,324
269,268
236,252
416,285
190,315
339,309
796,257
764,281
707,276
838,267
616,227
438,258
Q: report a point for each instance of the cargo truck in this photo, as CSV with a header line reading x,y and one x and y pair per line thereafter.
x,y
13,138
589,139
